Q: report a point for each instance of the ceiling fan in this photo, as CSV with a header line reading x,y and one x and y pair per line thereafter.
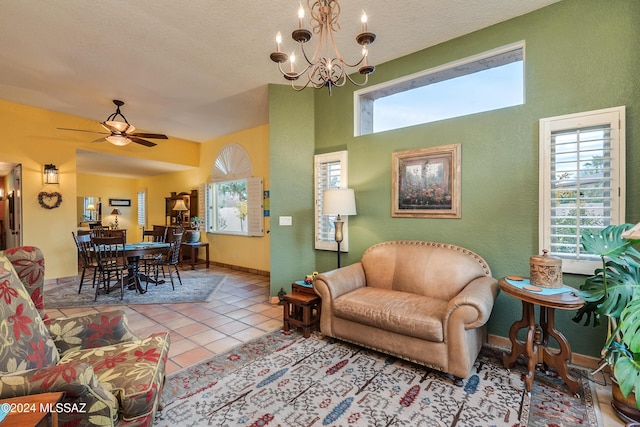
x,y
121,132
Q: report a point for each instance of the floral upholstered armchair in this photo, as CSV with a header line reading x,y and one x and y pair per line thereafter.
x,y
107,373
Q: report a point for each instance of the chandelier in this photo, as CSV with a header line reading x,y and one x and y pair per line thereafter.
x,y
326,67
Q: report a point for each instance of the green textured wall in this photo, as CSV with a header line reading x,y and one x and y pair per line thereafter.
x,y
291,141
580,55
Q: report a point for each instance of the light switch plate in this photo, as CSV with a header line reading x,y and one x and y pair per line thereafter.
x,y
285,220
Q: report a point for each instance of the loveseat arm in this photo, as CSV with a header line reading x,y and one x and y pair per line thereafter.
x,y
331,284
92,403
479,295
90,331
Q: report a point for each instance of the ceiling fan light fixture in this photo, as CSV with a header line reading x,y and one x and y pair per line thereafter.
x,y
118,140
121,127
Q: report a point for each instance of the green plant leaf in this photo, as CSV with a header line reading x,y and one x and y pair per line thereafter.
x,y
627,373
608,242
630,325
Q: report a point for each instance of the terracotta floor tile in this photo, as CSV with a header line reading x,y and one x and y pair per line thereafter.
x,y
189,330
192,356
222,345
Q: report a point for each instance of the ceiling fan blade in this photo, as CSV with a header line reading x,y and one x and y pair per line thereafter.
x,y
99,140
83,130
142,141
149,135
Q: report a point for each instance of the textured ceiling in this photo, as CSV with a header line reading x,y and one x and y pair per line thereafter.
x,y
196,69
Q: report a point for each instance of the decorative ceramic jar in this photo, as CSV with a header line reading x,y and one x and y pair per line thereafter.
x,y
192,236
545,270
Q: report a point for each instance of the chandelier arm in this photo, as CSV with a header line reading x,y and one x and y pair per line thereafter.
x,y
300,88
313,61
366,80
294,75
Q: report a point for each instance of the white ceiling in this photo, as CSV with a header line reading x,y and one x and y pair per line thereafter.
x,y
196,69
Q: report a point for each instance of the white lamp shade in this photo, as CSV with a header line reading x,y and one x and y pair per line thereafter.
x,y
118,140
339,201
91,207
121,127
180,206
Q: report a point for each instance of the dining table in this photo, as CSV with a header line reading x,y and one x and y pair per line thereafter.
x,y
135,252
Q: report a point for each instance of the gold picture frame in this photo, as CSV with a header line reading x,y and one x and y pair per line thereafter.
x,y
426,182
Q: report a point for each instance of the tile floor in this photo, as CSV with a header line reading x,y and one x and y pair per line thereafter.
x,y
240,312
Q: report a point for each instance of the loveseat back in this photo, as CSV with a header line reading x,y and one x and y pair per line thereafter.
x,y
436,270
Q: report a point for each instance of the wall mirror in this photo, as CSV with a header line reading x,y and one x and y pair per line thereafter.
x,y
89,210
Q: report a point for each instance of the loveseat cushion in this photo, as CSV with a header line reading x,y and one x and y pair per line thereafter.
x,y
133,371
26,343
400,312
28,263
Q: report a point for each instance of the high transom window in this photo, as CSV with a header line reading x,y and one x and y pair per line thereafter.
x,y
484,82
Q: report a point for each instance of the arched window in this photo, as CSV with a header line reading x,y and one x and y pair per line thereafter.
x,y
234,196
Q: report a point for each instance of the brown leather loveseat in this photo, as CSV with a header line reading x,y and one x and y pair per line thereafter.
x,y
421,301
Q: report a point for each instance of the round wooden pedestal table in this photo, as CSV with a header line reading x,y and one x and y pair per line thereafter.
x,y
536,348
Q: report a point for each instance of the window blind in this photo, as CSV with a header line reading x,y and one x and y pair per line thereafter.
x,y
330,171
142,208
581,187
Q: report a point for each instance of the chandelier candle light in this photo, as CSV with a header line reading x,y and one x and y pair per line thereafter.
x,y
326,67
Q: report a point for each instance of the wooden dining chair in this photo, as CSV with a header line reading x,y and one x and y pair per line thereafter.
x,y
157,234
111,258
87,259
170,259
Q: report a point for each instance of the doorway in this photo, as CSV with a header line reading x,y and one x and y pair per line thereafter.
x,y
10,205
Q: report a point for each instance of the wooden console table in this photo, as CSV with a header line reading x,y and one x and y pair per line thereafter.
x,y
536,348
192,250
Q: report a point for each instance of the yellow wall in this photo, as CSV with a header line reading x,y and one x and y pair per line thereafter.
x,y
251,252
29,137
113,188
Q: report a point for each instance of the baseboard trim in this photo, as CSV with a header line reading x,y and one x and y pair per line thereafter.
x,y
589,362
245,269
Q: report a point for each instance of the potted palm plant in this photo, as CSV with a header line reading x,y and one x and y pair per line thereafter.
x,y
614,292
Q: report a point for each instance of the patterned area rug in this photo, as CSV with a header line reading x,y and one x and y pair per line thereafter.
x,y
282,379
197,285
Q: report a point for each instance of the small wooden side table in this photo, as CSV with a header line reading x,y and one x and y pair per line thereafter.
x,y
32,410
301,310
193,252
536,348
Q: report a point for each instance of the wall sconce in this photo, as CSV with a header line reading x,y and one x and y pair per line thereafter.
x,y
51,174
1,194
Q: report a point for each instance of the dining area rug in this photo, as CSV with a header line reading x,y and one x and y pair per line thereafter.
x,y
282,379
197,286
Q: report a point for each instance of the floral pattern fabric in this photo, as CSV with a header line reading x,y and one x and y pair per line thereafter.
x,y
26,342
117,376
28,263
132,371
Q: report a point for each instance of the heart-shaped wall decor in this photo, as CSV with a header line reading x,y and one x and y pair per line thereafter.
x,y
49,200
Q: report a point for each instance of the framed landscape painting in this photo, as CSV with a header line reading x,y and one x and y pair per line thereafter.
x,y
426,182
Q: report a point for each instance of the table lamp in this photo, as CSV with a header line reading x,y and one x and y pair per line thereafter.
x,y
180,207
116,212
91,208
338,201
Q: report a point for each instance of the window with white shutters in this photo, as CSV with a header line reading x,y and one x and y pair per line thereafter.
x,y
233,203
582,182
142,208
330,171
